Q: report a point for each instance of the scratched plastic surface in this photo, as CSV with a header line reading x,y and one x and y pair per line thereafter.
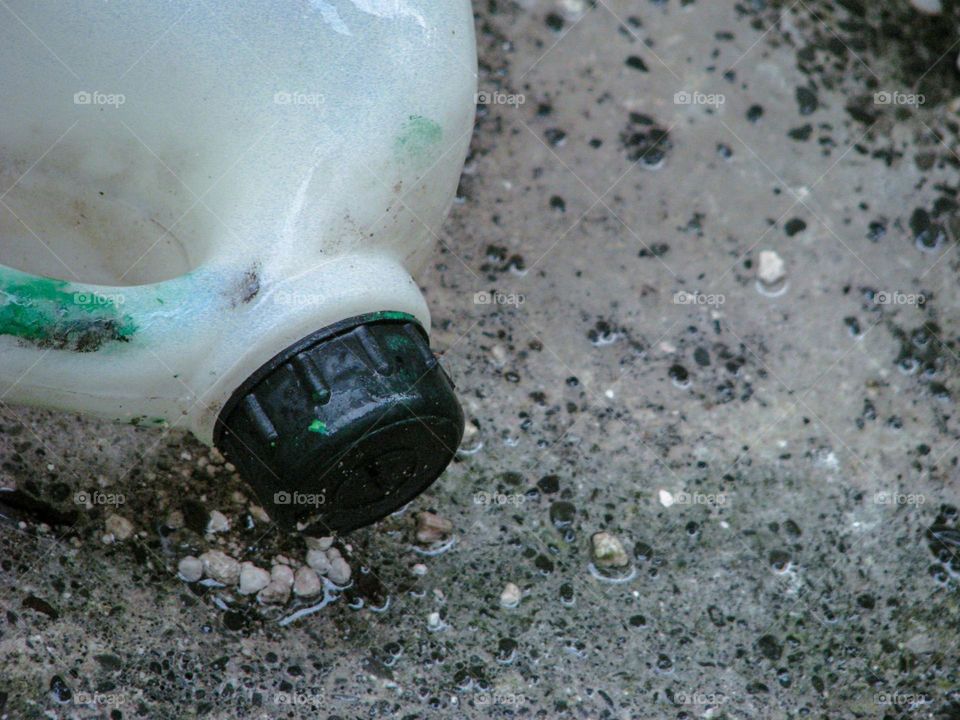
x,y
188,188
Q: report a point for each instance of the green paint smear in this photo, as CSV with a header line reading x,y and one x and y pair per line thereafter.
x,y
418,137
318,426
53,314
391,315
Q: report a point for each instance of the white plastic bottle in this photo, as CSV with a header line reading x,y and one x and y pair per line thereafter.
x,y
193,192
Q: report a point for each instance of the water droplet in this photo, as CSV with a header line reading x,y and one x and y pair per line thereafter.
x,y
59,690
770,647
679,375
562,514
506,651
779,561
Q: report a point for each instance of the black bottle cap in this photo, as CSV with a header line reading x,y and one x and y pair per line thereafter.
x,y
345,426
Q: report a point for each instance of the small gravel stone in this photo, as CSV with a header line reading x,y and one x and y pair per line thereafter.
x,y
278,591
317,559
433,621
306,583
282,574
323,543
190,569
608,551
511,595
259,514
339,571
432,528
119,527
219,566
252,578
419,569
930,7
218,522
771,268
174,520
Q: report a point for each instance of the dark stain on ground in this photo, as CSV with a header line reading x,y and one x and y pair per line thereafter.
x,y
32,602
880,46
943,539
645,141
16,504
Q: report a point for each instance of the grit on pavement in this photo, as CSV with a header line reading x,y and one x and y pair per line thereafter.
x,y
698,293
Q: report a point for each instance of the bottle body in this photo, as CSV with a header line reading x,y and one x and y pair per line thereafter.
x,y
215,182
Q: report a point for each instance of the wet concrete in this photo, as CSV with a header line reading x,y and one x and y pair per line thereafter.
x,y
780,464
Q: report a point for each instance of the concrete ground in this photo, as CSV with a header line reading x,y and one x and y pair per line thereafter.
x,y
778,459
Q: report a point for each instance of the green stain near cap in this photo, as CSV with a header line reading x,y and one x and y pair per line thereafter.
x,y
318,426
54,314
417,138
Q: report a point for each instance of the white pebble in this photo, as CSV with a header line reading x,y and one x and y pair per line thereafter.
x,y
190,569
339,571
432,528
511,595
930,7
259,514
499,354
218,522
666,497
282,574
419,569
608,551
317,559
278,591
433,621
771,268
306,583
221,567
119,527
252,578
323,543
